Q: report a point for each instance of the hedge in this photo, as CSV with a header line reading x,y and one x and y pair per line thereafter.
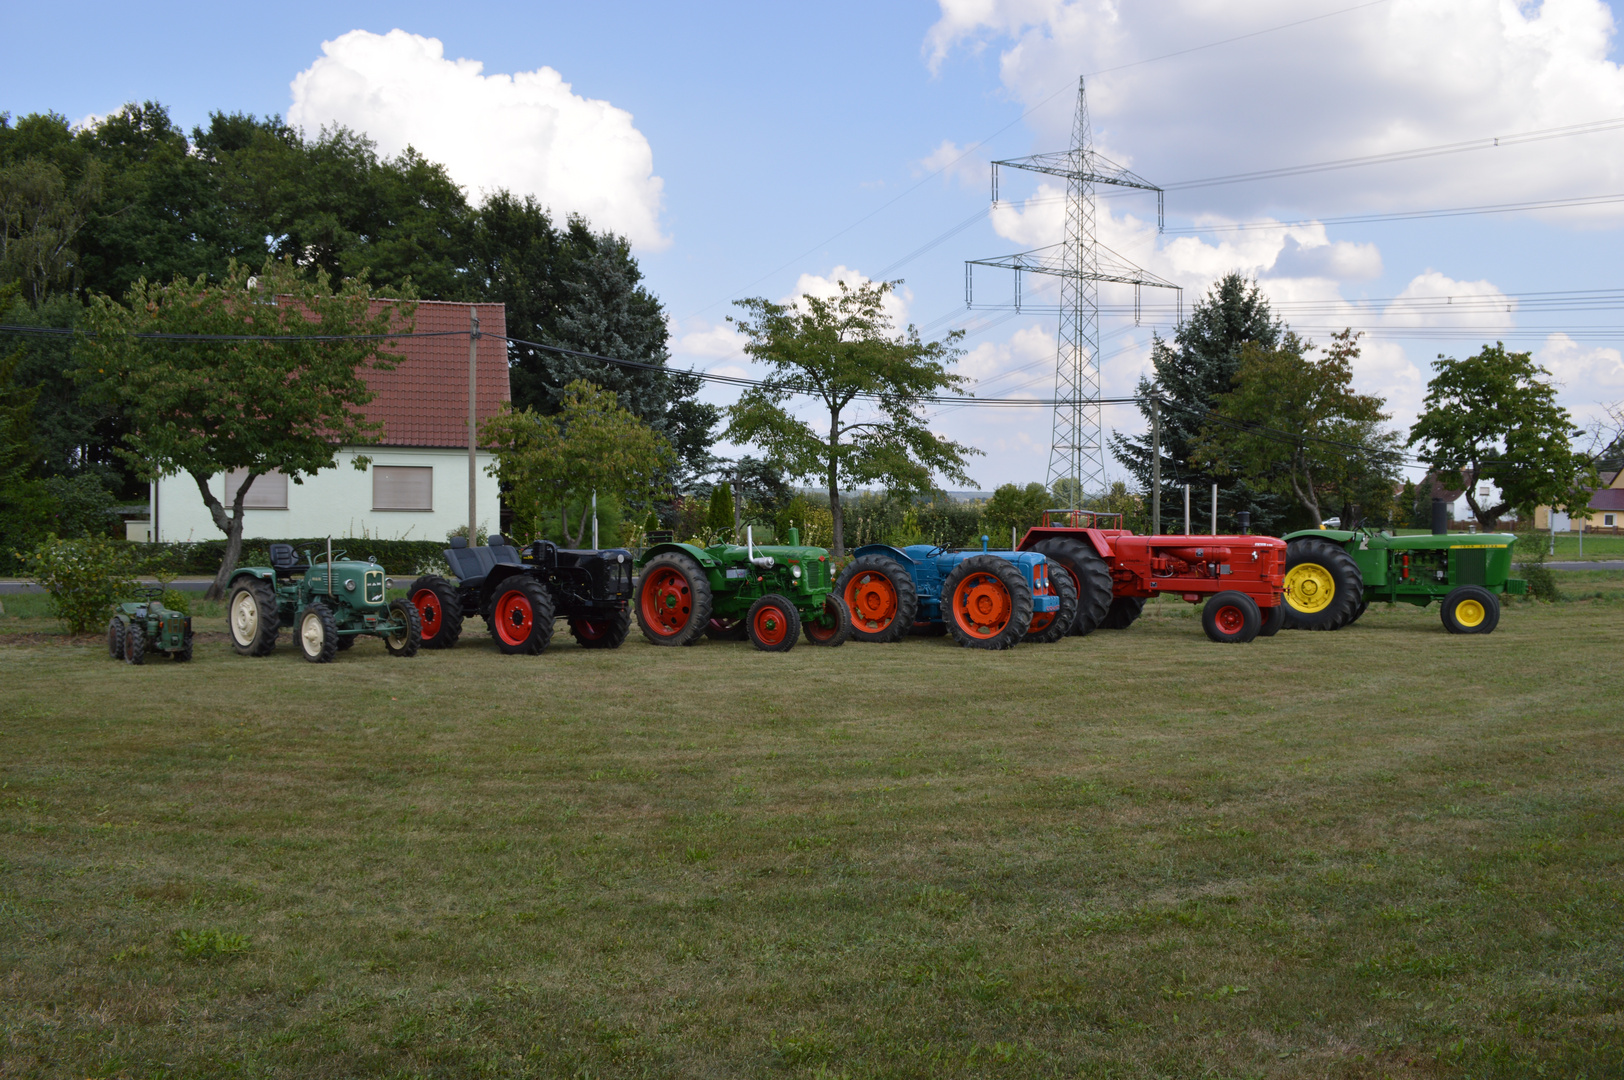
x,y
400,558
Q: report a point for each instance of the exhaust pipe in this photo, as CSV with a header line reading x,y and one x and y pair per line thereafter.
x,y
1440,518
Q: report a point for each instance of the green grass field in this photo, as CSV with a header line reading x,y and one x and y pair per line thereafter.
x,y
1381,852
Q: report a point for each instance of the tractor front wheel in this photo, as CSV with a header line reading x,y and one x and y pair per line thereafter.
x,y
986,603
673,600
1050,626
832,627
522,616
1089,576
1273,619
135,643
439,610
774,624
1323,585
115,638
183,654
880,594
252,617
405,640
317,634
1231,618
1471,609
608,632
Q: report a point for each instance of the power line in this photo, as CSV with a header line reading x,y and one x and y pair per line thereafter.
x,y
1402,215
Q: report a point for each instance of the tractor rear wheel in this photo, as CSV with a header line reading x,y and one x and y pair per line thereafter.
x,y
605,633
1357,612
1273,619
135,643
316,631
1122,612
1089,575
832,627
439,609
986,603
1323,585
115,638
252,617
406,641
1231,618
880,594
1471,609
1050,626
184,653
774,624
673,599
522,616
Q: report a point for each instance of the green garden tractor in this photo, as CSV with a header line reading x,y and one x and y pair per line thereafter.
x,y
1332,575
328,603
142,627
770,594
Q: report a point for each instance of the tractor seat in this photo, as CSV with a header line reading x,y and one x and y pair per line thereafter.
x,y
502,552
283,560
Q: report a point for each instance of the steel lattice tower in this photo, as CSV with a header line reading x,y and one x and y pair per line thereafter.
x,y
1077,449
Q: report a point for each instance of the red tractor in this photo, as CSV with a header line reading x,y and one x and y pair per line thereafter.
x,y
1241,577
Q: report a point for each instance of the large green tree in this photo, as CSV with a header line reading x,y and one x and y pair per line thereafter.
x,y
1495,416
209,408
869,381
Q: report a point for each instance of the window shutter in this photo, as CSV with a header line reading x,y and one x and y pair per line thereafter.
x,y
270,491
402,487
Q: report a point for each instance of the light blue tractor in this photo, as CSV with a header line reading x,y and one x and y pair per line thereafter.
x,y
985,599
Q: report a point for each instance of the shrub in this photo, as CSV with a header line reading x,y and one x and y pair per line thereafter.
x,y
175,600
85,578
1531,552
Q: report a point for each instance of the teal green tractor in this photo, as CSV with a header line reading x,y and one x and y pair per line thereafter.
x,y
770,594
143,627
1332,575
328,603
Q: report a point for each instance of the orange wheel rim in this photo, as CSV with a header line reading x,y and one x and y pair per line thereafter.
x,y
982,605
1041,621
514,618
428,610
1230,619
771,626
667,600
872,600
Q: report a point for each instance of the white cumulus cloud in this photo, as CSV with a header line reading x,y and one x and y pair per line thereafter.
x,y
525,132
824,287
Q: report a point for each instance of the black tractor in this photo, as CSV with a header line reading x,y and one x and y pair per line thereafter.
x,y
520,593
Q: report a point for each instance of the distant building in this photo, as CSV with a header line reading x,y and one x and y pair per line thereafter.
x,y
1606,509
417,485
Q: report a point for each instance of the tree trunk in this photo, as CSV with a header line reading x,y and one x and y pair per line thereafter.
x,y
580,534
230,525
837,546
1307,498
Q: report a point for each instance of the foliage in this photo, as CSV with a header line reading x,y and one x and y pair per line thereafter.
x,y
1189,376
549,464
1495,416
1119,500
481,534
1014,507
720,517
81,506
207,408
841,352
24,500
1293,425
40,218
1531,551
85,578
179,601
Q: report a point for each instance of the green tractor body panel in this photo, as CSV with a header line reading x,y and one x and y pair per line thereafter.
x,y
1420,569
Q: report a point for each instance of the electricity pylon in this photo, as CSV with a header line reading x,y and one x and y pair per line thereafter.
x,y
1081,262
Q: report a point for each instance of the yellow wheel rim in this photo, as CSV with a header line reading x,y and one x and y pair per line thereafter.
x,y
1469,613
1309,588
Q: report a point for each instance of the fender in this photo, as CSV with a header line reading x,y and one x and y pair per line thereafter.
x,y
698,554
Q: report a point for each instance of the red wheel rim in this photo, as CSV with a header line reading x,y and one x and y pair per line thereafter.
x,y
825,633
981,605
666,600
872,600
1041,621
592,631
771,626
428,610
514,618
1230,620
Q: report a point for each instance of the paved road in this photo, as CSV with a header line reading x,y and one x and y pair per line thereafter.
x,y
191,585
1599,564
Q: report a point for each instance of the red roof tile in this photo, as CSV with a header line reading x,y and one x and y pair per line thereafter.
x,y
1607,499
424,400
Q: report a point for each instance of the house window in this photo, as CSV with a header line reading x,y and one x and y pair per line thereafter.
x,y
269,491
402,487
1608,520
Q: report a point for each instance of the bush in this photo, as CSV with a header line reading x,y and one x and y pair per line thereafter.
x,y
175,600
85,578
1531,550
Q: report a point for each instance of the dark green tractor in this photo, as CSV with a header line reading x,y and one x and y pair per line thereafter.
x,y
140,628
770,594
328,603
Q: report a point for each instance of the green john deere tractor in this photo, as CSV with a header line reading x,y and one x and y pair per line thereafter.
x,y
771,594
328,603
1332,575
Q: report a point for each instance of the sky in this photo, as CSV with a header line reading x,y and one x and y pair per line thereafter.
x,y
773,150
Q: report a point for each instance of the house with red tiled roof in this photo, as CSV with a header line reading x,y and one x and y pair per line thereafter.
x,y
416,486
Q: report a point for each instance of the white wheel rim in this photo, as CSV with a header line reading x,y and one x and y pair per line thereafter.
x,y
310,634
244,618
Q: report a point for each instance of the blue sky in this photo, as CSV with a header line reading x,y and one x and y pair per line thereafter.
x,y
755,149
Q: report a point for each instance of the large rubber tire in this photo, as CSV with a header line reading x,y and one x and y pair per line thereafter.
x,y
1357,612
183,654
252,617
115,638
135,644
521,618
346,642
986,603
881,596
1273,619
774,624
727,630
407,642
1048,630
929,629
673,599
1231,618
1089,575
439,609
834,611
1470,609
1317,569
1123,612
607,633
315,631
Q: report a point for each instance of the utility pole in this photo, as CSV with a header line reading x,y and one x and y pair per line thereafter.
x,y
473,438
1215,509
1186,509
1155,465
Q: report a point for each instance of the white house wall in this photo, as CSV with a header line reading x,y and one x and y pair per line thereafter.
x,y
338,502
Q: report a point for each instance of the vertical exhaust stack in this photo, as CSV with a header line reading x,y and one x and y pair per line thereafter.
x,y
1440,518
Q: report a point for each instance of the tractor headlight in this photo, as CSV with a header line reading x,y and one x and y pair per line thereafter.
x,y
349,586
795,572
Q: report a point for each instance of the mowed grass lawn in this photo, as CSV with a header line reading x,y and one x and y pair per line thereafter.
x,y
1381,852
